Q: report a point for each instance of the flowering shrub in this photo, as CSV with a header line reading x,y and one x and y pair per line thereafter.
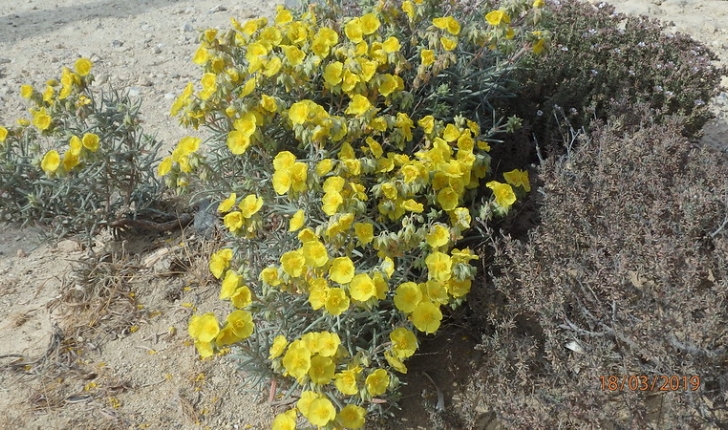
x,y
347,173
78,159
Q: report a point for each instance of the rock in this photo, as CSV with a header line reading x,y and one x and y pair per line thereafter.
x,y
21,254
169,96
117,43
187,28
157,49
218,8
135,92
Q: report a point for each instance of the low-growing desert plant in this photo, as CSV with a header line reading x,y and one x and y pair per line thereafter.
x,y
79,161
612,314
600,63
349,155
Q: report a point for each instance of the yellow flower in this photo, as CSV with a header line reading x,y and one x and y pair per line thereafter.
x,y
304,402
369,23
362,288
504,196
391,45
427,123
518,178
331,202
447,23
219,261
427,57
368,69
407,297
342,270
285,421
272,67
283,16
51,161
307,235
203,328
41,119
83,66
269,275
297,32
250,205
165,166
26,91
318,293
448,44
279,345
439,236
242,297
201,56
345,381
333,73
404,342
447,198
390,84
426,317
238,142
229,284
328,343
458,288
75,145
353,30
248,87
321,412
297,361
497,17
395,362
351,417
409,8
377,382
359,105
538,3
90,141
315,253
241,323
413,206
298,113
48,94
297,220
336,301
439,266
204,349
324,166
228,203
233,221
539,46
70,160
364,232
268,103
322,370
293,263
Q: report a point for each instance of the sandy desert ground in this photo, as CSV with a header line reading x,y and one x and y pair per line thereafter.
x,y
135,370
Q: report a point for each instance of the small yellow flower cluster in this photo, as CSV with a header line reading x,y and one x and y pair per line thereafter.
x,y
58,95
80,149
183,160
208,335
243,219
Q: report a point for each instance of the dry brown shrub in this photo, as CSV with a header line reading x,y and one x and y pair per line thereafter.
x,y
626,275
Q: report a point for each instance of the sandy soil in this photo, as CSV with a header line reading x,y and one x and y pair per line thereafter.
x,y
134,368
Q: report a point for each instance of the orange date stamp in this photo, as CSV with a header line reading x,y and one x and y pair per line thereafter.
x,y
650,383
